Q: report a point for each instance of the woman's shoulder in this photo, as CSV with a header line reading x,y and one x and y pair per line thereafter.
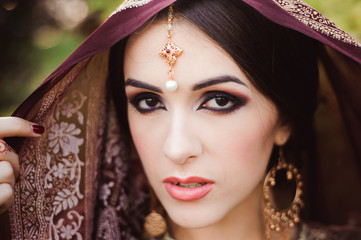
x,y
316,231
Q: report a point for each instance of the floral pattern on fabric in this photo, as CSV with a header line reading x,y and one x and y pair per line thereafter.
x,y
45,188
318,22
64,169
54,195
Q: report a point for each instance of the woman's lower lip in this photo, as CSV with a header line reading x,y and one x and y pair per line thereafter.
x,y
188,194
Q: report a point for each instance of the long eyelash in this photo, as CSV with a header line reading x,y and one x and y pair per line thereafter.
x,y
142,96
237,102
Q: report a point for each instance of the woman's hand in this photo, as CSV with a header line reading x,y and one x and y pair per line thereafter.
x,y
9,160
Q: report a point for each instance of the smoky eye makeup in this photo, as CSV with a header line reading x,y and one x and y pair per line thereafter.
x,y
147,102
217,102
222,102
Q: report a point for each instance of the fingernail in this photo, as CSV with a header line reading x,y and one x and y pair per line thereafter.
x,y
38,129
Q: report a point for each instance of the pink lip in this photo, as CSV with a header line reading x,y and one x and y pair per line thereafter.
x,y
187,194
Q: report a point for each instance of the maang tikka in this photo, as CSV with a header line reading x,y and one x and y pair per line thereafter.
x,y
170,52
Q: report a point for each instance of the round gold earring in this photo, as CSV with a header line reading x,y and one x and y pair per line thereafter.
x,y
154,225
280,220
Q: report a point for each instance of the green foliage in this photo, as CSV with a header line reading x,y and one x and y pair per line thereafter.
x,y
345,13
106,6
32,61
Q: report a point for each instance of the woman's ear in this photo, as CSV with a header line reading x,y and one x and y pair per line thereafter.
x,y
282,134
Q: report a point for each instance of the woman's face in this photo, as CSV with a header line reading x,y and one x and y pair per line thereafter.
x,y
216,127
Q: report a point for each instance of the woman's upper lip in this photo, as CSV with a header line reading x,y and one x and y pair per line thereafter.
x,y
193,179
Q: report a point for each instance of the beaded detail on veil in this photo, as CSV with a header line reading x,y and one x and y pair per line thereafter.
x,y
314,19
130,4
297,8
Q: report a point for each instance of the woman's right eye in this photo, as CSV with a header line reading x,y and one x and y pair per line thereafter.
x,y
147,102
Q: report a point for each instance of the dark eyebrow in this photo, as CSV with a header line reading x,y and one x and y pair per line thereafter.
x,y
140,84
217,80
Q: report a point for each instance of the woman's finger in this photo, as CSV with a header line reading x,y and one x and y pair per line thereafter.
x,y
9,155
6,196
6,174
14,126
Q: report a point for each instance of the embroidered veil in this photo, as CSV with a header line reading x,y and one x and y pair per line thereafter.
x,y
74,180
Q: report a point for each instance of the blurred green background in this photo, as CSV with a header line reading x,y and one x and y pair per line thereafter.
x,y
37,35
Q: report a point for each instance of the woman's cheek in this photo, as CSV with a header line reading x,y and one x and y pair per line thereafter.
x,y
144,132
246,146
147,139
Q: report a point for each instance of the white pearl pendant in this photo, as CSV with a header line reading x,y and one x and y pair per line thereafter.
x,y
171,85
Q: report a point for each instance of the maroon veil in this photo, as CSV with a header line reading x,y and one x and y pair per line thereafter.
x,y
73,180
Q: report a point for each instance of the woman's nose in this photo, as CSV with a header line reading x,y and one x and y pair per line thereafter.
x,y
181,142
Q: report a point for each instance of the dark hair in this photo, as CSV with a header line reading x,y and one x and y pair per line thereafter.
x,y
279,62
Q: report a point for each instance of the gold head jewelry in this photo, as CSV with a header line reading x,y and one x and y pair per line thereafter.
x,y
170,52
280,220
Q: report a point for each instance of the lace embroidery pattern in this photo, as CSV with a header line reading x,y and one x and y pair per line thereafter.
x,y
113,197
50,199
314,19
114,170
64,167
59,89
130,4
48,190
47,165
118,197
108,227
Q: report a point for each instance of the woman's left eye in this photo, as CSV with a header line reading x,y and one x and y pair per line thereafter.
x,y
221,102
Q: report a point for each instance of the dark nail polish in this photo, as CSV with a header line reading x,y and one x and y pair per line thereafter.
x,y
38,129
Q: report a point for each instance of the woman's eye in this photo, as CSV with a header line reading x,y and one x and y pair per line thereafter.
x,y
147,102
221,102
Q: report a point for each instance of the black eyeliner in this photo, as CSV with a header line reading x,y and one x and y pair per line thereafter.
x,y
237,102
143,96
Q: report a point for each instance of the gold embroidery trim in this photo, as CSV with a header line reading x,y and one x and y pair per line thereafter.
x,y
314,19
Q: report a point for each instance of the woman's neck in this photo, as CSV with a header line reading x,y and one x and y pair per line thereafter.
x,y
245,221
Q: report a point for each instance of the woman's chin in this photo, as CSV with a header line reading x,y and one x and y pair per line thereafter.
x,y
193,218
191,222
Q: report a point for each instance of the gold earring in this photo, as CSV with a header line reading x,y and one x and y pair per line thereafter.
x,y
154,225
280,220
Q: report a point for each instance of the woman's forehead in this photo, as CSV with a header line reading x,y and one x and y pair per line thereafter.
x,y
202,58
